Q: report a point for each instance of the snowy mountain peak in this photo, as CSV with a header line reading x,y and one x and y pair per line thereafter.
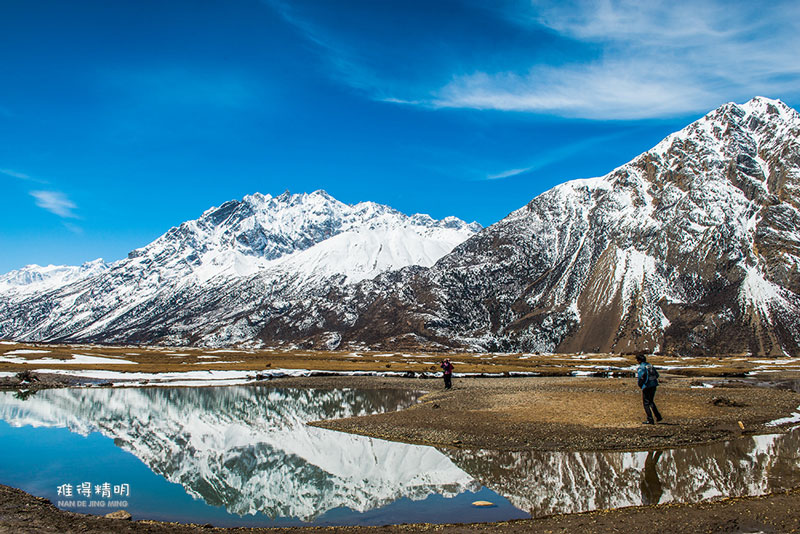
x,y
692,246
767,107
243,236
35,278
751,126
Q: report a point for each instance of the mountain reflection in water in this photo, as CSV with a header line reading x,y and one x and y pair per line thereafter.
x,y
249,448
545,483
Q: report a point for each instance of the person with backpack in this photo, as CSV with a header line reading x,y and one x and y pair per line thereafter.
x,y
647,378
447,367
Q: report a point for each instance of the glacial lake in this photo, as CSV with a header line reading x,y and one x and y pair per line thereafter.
x,y
244,456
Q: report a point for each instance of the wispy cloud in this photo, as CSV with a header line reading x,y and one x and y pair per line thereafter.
x,y
507,174
347,64
658,59
15,174
22,176
555,155
55,202
596,59
74,228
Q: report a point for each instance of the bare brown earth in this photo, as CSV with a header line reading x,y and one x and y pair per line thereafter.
x,y
777,513
576,413
553,411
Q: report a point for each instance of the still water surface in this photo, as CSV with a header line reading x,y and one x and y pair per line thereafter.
x,y
244,456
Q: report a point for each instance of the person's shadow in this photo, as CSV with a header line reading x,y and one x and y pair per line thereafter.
x,y
650,483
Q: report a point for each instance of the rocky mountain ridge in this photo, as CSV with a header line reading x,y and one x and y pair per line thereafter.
x,y
36,278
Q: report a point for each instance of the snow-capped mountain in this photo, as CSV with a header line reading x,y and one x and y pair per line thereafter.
x,y
249,448
242,238
37,279
692,247
260,249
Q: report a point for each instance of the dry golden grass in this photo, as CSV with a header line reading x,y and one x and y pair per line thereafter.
x,y
179,359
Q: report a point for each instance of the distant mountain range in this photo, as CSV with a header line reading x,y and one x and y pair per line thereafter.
x,y
691,248
208,280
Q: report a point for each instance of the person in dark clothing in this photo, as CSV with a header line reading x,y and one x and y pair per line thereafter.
x,y
647,378
447,367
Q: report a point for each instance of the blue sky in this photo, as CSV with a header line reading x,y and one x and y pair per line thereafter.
x,y
121,119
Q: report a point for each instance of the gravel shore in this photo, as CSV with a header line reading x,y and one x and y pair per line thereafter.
x,y
21,513
569,413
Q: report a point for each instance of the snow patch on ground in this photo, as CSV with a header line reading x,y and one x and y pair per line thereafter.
x,y
758,292
76,359
793,418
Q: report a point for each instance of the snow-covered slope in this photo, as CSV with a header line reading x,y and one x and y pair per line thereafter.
x,y
280,248
365,253
249,448
242,238
33,279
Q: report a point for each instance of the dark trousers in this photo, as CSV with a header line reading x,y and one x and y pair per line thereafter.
x,y
448,381
649,404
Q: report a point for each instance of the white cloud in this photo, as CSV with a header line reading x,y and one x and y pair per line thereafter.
x,y
507,174
620,91
554,155
15,174
600,59
55,202
658,59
